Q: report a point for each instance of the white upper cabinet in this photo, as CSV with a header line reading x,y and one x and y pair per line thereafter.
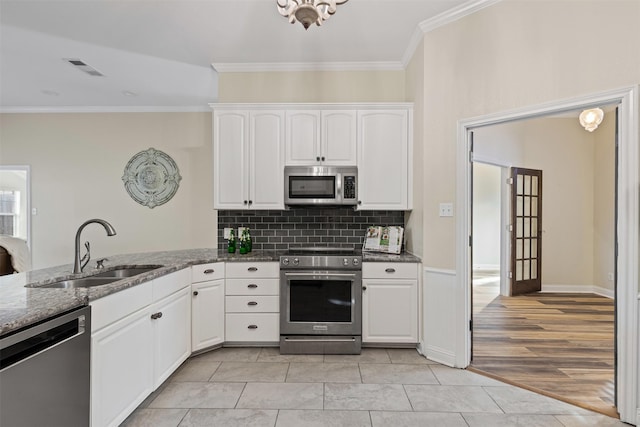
x,y
321,137
384,166
338,138
248,148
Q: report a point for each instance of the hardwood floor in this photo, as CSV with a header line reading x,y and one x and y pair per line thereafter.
x,y
561,345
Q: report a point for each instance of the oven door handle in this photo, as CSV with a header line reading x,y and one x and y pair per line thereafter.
x,y
319,275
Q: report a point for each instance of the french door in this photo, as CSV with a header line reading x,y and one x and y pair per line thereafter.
x,y
526,232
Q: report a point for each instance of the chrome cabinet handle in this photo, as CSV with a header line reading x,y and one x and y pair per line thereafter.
x,y
252,303
157,315
252,327
208,271
252,286
252,269
390,270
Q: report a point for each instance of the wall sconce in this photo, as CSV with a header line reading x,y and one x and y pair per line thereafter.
x,y
590,119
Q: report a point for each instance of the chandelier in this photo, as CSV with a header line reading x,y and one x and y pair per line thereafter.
x,y
308,12
590,119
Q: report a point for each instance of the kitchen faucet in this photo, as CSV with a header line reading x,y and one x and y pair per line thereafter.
x,y
78,264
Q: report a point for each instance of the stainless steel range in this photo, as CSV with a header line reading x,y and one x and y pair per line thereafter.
x,y
321,301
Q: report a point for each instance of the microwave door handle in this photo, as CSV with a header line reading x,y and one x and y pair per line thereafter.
x,y
338,188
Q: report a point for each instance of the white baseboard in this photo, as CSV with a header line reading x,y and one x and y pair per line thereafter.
x,y
440,355
579,289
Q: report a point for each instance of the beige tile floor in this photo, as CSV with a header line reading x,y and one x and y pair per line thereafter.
x,y
256,387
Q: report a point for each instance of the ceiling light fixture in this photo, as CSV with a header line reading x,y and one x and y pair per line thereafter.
x,y
590,119
308,11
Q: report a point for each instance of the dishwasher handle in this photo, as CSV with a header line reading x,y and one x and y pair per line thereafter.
x,y
35,340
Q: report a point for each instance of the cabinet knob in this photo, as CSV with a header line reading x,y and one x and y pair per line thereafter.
x,y
208,271
359,202
390,270
244,202
250,202
323,158
252,327
252,286
364,288
157,315
252,303
318,159
195,293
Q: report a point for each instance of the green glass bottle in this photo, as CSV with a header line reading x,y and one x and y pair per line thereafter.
x,y
232,242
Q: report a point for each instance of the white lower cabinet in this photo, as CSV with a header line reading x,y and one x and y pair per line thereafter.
x,y
141,335
172,333
121,368
252,312
390,303
207,305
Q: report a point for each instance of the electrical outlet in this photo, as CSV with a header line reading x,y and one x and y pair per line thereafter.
x,y
240,229
446,209
227,233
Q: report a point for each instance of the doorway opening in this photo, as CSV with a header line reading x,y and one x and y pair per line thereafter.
x,y
627,214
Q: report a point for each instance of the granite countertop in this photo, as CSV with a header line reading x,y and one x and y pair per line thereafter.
x,y
23,303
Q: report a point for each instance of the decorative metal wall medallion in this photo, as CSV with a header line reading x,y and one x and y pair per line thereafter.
x,y
151,178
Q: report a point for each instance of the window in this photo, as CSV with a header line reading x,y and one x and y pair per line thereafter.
x,y
9,212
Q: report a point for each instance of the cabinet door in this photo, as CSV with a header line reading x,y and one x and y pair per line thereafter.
x,y
207,325
230,144
383,168
172,333
121,368
266,149
338,138
390,311
302,138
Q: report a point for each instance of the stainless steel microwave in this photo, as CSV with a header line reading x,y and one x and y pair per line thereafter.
x,y
320,185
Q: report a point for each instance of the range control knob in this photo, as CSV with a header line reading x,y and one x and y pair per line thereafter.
x,y
285,261
355,261
296,261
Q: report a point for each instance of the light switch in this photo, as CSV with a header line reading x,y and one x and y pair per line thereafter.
x,y
446,209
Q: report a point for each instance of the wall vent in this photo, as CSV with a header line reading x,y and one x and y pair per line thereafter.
x,y
82,66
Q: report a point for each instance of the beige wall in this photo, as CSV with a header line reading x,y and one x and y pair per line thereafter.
x,y
415,93
603,202
312,86
77,161
513,54
578,189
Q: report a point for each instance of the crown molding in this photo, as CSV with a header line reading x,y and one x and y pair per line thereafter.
x,y
438,21
109,109
307,66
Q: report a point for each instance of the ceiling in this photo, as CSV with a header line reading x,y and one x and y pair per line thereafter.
x,y
165,54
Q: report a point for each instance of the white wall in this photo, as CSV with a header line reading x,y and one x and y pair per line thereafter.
x,y
486,216
77,161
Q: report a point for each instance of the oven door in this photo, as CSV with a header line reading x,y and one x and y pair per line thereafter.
x,y
321,303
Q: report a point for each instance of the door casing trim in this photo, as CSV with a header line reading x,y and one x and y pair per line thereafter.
x,y
628,237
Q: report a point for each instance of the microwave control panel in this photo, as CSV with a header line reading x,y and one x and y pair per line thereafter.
x,y
349,187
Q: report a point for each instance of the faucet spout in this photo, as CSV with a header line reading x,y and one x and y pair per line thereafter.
x,y
77,266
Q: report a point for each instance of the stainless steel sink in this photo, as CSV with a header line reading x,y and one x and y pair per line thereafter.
x,y
121,273
85,282
99,279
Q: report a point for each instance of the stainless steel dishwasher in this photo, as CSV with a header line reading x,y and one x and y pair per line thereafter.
x,y
45,373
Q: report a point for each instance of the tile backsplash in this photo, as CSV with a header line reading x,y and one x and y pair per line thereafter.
x,y
301,227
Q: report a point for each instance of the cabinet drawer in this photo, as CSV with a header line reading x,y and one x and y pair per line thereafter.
x,y
107,310
252,287
252,304
206,272
252,327
385,270
236,270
